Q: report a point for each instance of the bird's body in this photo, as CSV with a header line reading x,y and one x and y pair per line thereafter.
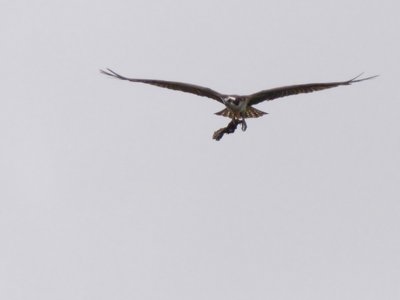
x,y
236,104
240,107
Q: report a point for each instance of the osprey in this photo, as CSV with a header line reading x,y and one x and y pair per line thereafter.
x,y
239,107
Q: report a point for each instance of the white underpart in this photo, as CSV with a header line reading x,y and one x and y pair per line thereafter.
x,y
240,107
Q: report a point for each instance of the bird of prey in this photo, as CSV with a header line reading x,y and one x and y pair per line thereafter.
x,y
240,107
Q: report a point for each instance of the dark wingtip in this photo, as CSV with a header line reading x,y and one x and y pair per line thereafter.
x,y
110,72
358,79
105,72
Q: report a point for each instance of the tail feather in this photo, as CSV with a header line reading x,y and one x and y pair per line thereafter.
x,y
225,113
251,112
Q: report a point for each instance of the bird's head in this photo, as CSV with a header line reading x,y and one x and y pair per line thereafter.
x,y
232,100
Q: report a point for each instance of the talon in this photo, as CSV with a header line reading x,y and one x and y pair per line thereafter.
x,y
244,125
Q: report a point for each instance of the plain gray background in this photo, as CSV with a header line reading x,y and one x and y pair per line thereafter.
x,y
115,190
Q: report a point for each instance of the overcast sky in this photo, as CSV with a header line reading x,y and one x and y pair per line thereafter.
x,y
116,190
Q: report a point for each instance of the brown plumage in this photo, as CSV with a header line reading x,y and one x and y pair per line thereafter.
x,y
284,91
240,107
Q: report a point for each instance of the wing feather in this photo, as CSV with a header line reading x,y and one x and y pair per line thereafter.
x,y
271,94
173,85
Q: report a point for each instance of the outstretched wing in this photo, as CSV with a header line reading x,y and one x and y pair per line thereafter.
x,y
178,86
271,94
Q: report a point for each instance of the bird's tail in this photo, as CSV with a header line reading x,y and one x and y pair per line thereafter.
x,y
251,112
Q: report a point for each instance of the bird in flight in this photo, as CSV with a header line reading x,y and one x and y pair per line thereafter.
x,y
239,107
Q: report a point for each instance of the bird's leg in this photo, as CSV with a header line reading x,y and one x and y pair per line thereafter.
x,y
244,124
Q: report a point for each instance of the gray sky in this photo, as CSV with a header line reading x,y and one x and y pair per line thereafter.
x,y
115,190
